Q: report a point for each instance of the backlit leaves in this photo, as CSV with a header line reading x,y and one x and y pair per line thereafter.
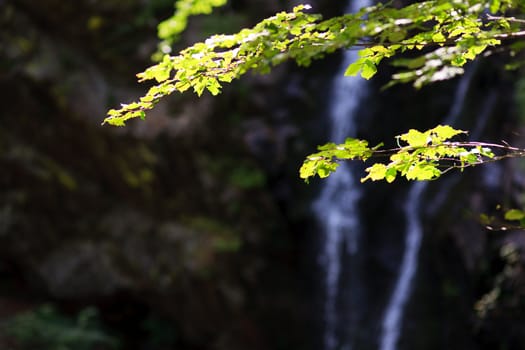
x,y
368,60
451,32
433,136
324,162
170,29
421,155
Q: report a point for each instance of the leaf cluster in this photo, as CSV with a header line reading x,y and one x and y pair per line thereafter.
x,y
170,29
420,156
512,219
447,33
325,162
47,329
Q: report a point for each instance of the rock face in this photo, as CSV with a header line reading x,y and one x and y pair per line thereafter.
x,y
172,215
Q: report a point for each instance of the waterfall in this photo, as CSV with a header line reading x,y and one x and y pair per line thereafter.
x,y
336,206
392,320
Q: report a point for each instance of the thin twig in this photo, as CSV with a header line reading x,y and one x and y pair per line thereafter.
x,y
509,19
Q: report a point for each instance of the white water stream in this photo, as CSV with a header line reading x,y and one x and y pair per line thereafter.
x,y
336,206
336,210
393,317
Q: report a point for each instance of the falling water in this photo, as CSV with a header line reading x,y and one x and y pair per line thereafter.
x,y
336,207
392,321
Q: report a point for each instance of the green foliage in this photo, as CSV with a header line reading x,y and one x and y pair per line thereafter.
x,y
170,29
447,33
504,219
514,214
420,156
444,35
324,162
47,329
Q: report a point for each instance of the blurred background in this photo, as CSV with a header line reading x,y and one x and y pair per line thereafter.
x,y
192,229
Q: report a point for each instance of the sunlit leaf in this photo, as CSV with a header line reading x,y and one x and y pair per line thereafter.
x,y
416,138
369,69
445,132
375,172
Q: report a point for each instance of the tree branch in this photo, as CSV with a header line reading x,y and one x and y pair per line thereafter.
x,y
509,19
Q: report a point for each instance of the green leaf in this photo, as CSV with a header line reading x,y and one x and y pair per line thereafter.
x,y
469,158
458,61
514,214
326,168
369,69
485,219
494,6
114,121
397,36
353,68
416,138
327,146
390,175
438,37
423,171
308,169
445,132
375,172
410,63
474,51
214,87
